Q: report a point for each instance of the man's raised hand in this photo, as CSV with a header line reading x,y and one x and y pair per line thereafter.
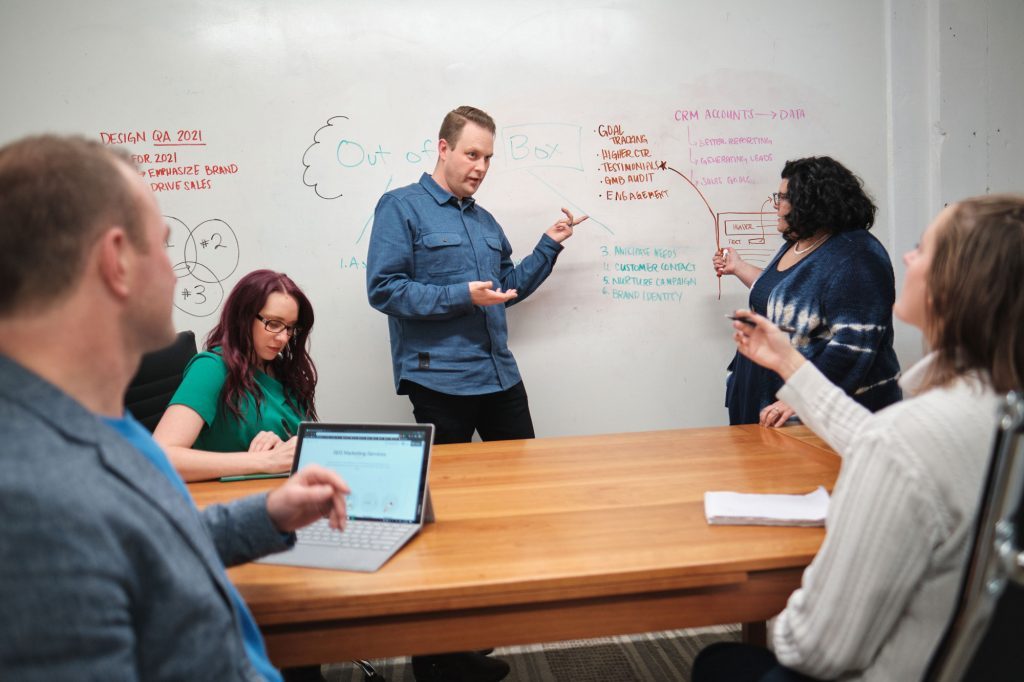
x,y
562,230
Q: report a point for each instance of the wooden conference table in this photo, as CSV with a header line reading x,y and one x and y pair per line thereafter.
x,y
554,539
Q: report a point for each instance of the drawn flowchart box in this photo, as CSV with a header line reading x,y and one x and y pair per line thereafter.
x,y
754,235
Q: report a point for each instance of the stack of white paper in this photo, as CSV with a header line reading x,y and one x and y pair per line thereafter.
x,y
744,509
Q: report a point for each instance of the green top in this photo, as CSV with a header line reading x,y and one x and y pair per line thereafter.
x,y
200,390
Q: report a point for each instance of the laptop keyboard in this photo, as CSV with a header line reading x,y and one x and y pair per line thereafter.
x,y
357,534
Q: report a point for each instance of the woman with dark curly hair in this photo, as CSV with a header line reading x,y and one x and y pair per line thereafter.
x,y
241,399
832,282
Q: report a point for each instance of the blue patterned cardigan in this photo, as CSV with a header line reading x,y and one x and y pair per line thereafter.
x,y
839,298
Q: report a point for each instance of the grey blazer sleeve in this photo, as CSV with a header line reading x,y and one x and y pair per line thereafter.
x,y
242,531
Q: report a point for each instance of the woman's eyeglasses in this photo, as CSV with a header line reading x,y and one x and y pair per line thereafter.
x,y
277,326
778,198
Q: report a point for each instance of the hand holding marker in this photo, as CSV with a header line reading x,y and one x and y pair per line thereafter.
x,y
747,320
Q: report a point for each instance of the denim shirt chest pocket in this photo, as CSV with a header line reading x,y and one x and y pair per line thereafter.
x,y
493,255
441,254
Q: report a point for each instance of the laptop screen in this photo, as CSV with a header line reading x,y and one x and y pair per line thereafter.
x,y
385,466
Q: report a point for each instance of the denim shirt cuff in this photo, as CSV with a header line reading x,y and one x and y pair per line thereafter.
x,y
458,295
548,246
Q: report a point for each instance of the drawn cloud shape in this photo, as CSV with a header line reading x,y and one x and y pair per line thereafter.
x,y
320,161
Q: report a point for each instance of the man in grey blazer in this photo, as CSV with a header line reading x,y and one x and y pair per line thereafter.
x,y
107,570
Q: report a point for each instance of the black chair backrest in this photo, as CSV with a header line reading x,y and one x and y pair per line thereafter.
x,y
158,378
983,641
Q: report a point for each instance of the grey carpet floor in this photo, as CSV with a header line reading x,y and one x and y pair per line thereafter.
x,y
651,657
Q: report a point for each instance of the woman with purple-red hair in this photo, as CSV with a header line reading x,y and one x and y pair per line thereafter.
x,y
241,399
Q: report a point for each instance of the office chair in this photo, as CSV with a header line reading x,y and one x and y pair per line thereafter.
x,y
983,640
158,378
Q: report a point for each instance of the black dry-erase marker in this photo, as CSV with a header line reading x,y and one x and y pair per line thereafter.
x,y
747,320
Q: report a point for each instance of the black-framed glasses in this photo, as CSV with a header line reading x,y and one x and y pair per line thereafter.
x,y
779,197
277,326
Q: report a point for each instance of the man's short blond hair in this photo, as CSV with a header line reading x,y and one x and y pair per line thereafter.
x,y
455,121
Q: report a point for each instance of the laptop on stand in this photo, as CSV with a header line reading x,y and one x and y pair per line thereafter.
x,y
386,467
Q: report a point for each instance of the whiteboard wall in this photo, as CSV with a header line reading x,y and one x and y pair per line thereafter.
x,y
269,131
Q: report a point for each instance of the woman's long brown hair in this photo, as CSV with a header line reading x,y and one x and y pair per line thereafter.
x,y
976,293
233,333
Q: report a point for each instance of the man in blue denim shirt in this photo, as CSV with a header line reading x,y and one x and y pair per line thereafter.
x,y
441,268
